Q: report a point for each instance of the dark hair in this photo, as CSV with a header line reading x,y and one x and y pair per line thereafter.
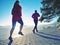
x,y
16,3
35,10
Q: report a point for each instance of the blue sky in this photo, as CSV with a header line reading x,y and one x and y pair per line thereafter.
x,y
28,7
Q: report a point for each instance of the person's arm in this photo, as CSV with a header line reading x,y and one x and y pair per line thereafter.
x,y
33,16
38,15
12,12
20,11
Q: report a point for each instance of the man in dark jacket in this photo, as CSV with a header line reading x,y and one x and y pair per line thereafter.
x,y
35,17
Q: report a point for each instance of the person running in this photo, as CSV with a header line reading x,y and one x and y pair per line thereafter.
x,y
35,18
16,17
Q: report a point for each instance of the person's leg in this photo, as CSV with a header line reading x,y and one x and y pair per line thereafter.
x,y
13,27
36,22
21,22
36,25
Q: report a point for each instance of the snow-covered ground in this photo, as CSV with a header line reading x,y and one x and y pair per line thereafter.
x,y
45,36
